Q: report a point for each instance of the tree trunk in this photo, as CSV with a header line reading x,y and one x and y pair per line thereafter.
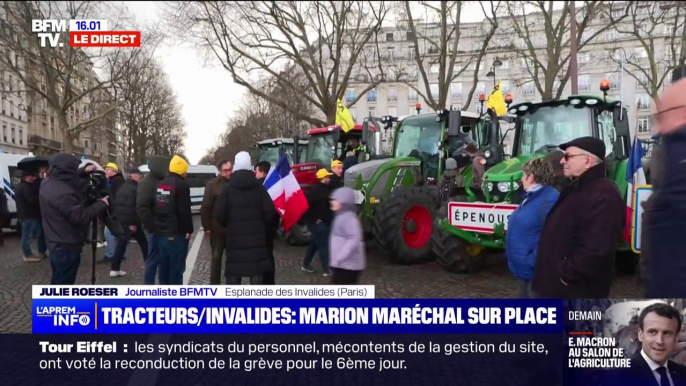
x,y
67,137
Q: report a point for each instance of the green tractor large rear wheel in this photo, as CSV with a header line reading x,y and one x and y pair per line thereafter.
x,y
453,253
403,224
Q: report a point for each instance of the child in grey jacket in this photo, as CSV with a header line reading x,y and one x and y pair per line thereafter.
x,y
348,258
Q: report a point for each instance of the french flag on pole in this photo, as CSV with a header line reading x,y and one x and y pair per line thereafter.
x,y
283,188
635,177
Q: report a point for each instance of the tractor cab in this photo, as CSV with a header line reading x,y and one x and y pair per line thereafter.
x,y
271,150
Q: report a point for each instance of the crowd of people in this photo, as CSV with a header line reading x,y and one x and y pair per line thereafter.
x,y
561,239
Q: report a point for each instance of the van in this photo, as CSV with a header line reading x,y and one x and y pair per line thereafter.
x,y
197,177
11,176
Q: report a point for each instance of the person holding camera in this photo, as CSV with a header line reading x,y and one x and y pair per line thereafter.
x,y
66,216
124,212
174,222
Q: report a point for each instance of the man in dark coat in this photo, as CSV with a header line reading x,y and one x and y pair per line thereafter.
x,y
212,228
576,251
262,169
662,239
66,216
173,222
124,213
28,213
319,217
337,177
4,216
115,180
246,211
145,208
659,326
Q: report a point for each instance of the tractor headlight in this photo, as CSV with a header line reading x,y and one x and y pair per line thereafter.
x,y
487,153
505,186
487,186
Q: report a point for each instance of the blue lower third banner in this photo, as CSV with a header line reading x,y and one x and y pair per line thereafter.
x,y
295,316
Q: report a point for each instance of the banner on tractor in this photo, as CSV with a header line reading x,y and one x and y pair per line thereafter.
x,y
479,217
496,101
641,194
343,117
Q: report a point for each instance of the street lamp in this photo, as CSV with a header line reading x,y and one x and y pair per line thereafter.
x,y
496,63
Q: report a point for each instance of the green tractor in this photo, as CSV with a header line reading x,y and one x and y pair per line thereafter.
x,y
398,198
468,229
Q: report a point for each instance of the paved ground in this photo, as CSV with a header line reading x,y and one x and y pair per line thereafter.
x,y
422,281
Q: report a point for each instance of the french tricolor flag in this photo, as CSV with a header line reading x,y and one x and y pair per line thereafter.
x,y
635,177
283,188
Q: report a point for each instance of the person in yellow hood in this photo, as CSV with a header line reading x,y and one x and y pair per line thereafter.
x,y
173,222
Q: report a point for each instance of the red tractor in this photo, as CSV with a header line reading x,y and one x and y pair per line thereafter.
x,y
324,145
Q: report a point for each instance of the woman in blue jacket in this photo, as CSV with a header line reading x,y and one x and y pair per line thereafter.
x,y
526,222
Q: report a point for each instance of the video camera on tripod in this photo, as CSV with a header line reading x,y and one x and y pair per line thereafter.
x,y
97,187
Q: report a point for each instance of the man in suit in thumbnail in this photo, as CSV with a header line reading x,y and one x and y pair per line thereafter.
x,y
659,326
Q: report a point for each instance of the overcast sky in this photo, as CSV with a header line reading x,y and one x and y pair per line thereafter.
x,y
208,95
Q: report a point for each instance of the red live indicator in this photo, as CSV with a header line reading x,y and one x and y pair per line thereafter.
x,y
105,39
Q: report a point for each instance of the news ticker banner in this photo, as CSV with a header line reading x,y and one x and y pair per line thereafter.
x,y
82,33
283,309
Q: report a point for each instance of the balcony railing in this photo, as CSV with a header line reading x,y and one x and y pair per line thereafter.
x,y
37,140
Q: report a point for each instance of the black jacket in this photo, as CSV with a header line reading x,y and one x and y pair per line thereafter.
x,y
578,246
246,211
116,183
664,218
65,214
145,200
173,207
349,162
276,223
26,198
4,212
124,207
319,204
336,182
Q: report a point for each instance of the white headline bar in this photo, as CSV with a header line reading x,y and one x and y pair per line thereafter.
x,y
204,292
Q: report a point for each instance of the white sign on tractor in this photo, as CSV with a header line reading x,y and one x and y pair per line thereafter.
x,y
641,194
478,216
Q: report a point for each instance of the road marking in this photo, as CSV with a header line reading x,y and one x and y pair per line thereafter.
x,y
149,376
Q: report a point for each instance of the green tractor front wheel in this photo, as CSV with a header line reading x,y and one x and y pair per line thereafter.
x,y
403,224
457,255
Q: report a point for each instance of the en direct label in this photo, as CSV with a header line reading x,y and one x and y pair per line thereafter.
x,y
479,217
641,194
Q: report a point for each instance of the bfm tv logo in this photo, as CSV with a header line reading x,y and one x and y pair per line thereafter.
x,y
64,316
83,33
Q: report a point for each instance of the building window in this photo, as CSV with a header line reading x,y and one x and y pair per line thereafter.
x,y
389,36
392,94
611,35
21,136
434,69
350,95
371,95
642,101
641,79
528,89
480,88
86,144
4,132
393,111
433,88
412,95
583,57
13,133
584,82
505,86
372,112
390,53
614,79
643,125
456,90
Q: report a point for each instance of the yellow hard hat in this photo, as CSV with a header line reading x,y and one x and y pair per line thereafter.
x,y
112,166
335,163
321,173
